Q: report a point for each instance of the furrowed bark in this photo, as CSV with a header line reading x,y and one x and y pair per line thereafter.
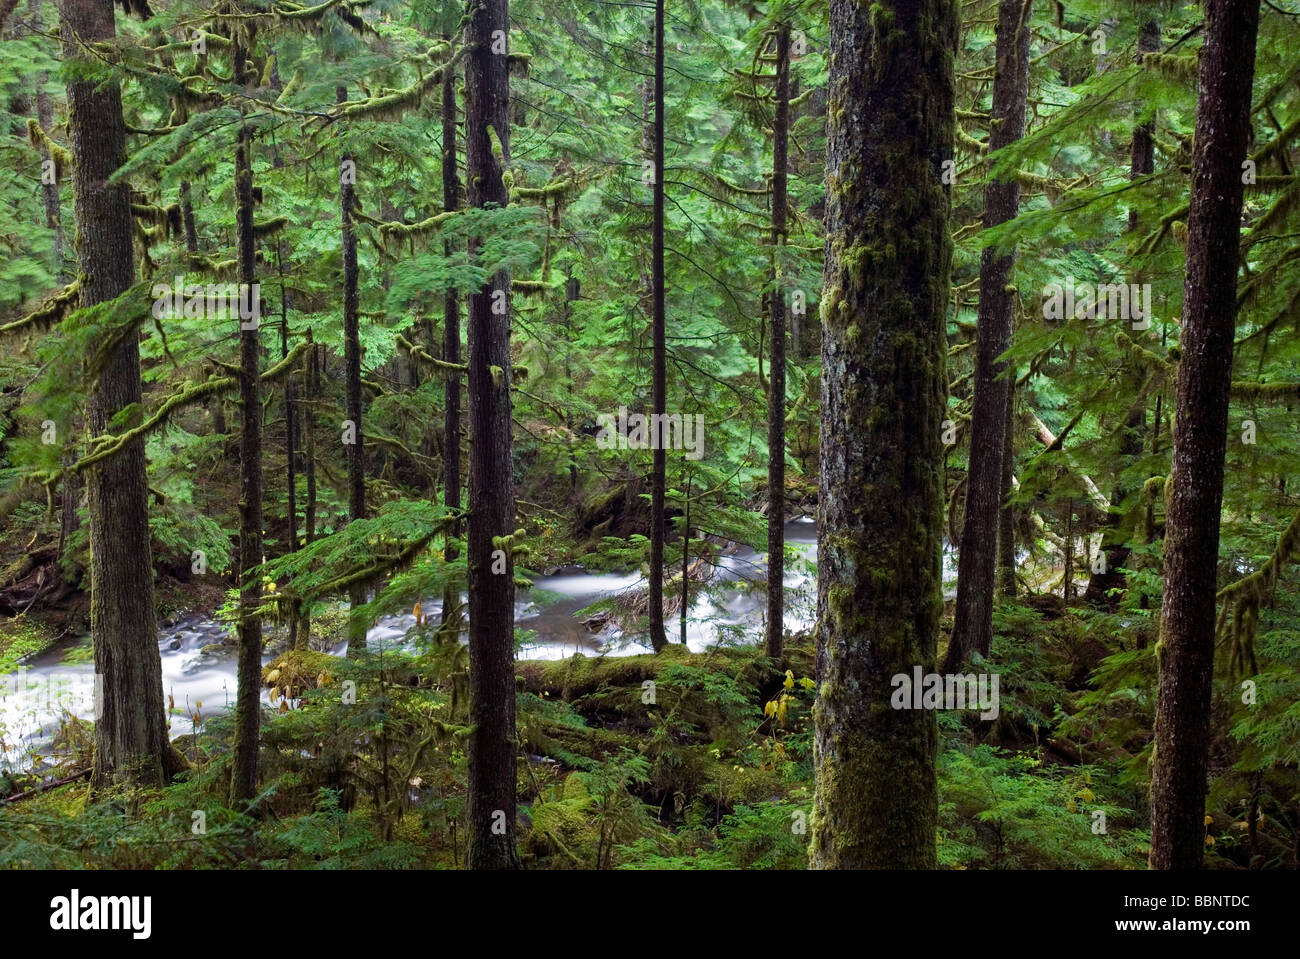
x,y
131,744
776,375
1185,653
492,745
879,599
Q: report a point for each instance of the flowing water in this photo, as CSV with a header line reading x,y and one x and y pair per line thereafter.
x,y
731,609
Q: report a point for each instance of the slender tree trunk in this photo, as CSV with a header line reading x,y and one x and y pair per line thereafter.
x,y
1104,584
659,470
356,454
1007,515
307,420
879,596
248,704
187,218
776,375
131,745
1195,492
492,745
686,561
571,291
71,485
451,618
45,117
976,565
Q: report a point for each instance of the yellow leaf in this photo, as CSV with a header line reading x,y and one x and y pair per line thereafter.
x,y
1208,820
1085,794
275,693
284,705
770,708
789,679
273,675
807,683
1209,840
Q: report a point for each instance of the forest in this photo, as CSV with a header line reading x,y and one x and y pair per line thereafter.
x,y
649,435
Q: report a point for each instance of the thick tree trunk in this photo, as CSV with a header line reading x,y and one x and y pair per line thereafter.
x,y
451,618
976,566
879,597
1102,585
659,469
1195,494
356,454
248,704
131,744
776,375
492,746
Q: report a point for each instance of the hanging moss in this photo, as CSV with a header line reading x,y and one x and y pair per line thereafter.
x,y
39,139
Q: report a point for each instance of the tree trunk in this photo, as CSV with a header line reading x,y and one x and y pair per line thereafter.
x,y
45,117
1007,516
492,745
248,703
976,566
776,377
451,618
356,455
131,744
658,479
307,421
1195,496
879,597
187,218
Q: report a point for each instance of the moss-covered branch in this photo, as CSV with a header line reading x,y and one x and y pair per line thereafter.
x,y
54,309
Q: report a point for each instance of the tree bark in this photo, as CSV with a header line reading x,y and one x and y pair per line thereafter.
x,y
492,745
1195,496
776,375
1007,515
356,455
976,565
131,744
450,354
883,307
659,469
248,704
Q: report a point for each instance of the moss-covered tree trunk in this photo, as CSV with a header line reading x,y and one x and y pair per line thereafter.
x,y
492,745
883,308
356,452
776,379
1195,489
131,745
248,704
659,374
451,618
976,565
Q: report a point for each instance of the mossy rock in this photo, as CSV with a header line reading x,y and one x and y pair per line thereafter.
x,y
299,669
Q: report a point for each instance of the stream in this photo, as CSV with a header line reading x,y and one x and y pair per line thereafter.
x,y
730,608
